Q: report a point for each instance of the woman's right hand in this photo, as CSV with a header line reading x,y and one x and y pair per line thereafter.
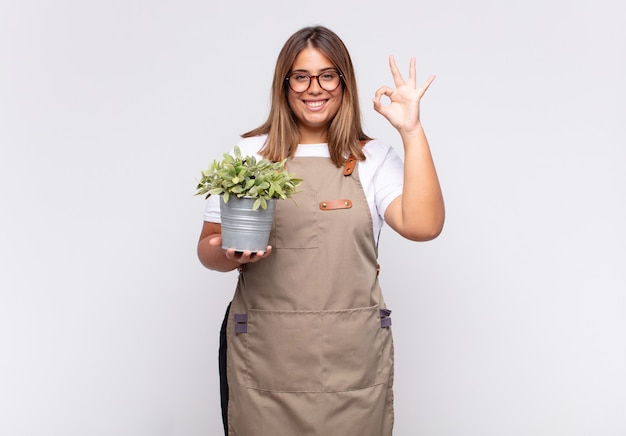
x,y
241,257
212,255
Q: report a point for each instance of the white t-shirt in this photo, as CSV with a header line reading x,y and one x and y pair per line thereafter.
x,y
381,175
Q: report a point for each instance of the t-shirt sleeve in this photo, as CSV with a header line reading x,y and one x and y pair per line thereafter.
x,y
388,180
212,210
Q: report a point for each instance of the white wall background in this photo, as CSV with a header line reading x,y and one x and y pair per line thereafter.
x,y
512,322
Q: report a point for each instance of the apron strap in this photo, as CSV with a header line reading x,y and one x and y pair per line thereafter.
x,y
348,167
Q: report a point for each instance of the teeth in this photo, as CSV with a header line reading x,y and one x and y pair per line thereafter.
x,y
315,103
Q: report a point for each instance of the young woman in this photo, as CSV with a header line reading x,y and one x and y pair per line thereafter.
x,y
315,355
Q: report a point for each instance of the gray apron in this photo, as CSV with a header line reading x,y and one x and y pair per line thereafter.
x,y
310,350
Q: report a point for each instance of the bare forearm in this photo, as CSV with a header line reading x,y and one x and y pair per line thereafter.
x,y
213,256
419,213
210,250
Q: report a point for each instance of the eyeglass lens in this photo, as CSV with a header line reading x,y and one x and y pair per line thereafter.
x,y
300,82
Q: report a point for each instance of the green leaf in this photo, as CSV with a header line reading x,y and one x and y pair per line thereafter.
x,y
246,176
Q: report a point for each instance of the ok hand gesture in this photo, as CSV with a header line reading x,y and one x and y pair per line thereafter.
x,y
403,110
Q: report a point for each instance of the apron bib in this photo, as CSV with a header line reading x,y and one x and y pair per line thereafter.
x,y
309,349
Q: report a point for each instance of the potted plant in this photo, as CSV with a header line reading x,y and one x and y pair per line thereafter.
x,y
248,190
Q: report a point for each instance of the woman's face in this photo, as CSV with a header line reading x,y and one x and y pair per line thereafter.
x,y
314,107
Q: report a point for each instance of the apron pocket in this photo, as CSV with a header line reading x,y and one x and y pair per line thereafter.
x,y
284,351
296,229
314,351
352,349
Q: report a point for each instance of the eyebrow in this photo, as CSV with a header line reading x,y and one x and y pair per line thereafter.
x,y
321,71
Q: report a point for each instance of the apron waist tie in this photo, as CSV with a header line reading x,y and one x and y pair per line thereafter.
x,y
241,323
385,318
241,320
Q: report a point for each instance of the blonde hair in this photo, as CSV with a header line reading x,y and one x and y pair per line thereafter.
x,y
344,131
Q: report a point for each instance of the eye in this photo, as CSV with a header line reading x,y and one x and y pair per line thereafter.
x,y
299,77
328,76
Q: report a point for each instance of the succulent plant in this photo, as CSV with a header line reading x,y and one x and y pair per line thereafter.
x,y
245,176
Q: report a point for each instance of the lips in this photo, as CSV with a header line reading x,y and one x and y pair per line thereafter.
x,y
317,104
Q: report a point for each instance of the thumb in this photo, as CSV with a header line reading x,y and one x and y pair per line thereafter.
x,y
215,241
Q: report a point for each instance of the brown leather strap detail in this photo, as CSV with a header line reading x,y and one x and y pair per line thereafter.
x,y
348,167
335,204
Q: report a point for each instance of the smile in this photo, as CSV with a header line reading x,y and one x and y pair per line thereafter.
x,y
315,104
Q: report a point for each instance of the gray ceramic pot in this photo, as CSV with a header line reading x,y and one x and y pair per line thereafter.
x,y
244,228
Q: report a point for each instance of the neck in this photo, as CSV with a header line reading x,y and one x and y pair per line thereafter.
x,y
313,136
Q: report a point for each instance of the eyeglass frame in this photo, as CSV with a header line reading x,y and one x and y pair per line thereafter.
x,y
316,77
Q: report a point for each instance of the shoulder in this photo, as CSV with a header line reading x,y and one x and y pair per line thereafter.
x,y
377,153
382,168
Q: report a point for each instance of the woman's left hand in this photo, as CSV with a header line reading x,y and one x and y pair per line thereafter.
x,y
403,111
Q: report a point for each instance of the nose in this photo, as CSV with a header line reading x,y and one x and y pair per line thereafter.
x,y
318,86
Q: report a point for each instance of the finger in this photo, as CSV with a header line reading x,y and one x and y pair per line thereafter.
x,y
217,241
234,254
378,104
256,256
231,254
426,84
246,256
412,76
242,257
395,72
383,90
